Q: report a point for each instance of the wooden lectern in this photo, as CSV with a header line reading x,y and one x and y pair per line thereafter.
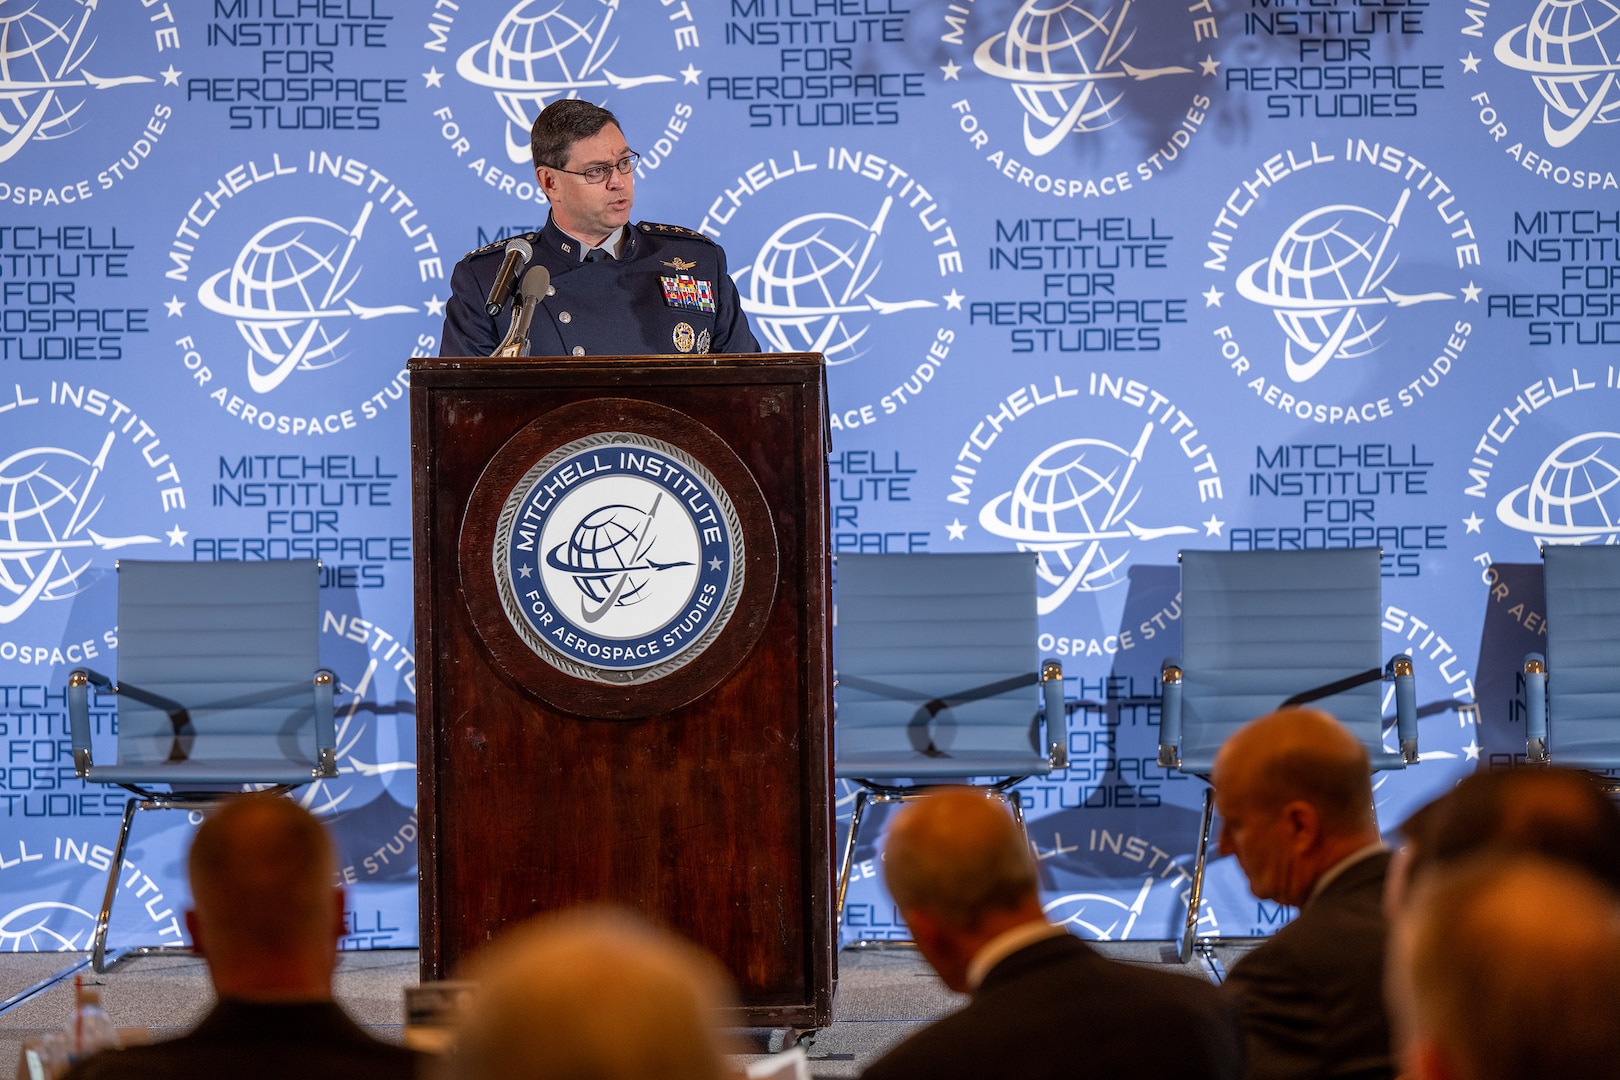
x,y
623,661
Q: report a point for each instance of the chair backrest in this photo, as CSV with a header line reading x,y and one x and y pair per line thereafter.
x,y
937,664
236,644
1583,655
1258,627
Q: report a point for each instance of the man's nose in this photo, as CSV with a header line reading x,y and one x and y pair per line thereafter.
x,y
617,180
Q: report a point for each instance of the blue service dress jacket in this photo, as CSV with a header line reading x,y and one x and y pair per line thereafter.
x,y
668,292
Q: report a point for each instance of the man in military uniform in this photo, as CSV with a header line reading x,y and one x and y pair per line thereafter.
x,y
616,289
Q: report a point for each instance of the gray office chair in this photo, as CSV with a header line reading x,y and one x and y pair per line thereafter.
x,y
1265,629
220,690
938,680
1573,717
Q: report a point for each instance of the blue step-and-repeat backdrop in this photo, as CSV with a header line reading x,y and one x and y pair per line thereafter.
x,y
1101,279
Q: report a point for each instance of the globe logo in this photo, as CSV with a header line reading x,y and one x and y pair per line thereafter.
x,y
811,277
537,53
34,928
1069,504
48,500
607,556
39,60
618,558
1324,282
1569,501
1060,59
1115,923
1563,49
287,285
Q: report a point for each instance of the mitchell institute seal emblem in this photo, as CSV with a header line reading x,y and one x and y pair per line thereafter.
x,y
619,558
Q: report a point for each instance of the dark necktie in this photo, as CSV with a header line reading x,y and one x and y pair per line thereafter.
x,y
596,254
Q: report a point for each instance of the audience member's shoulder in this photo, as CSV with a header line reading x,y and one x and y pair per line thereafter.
x,y
375,1060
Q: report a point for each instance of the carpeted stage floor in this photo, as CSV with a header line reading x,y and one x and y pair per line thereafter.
x,y
883,994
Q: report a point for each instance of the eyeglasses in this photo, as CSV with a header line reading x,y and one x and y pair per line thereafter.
x,y
597,174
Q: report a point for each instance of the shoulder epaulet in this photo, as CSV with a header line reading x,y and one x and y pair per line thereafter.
x,y
500,245
653,228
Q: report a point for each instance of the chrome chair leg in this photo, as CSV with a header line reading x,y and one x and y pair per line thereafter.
x,y
855,816
98,946
1195,896
1016,805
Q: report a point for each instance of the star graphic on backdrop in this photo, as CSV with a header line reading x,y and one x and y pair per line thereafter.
x,y
1213,526
1473,521
691,73
1470,63
951,69
435,306
714,564
434,78
171,76
1209,64
1471,293
1212,298
957,530
1471,751
175,306
177,536
953,300
524,571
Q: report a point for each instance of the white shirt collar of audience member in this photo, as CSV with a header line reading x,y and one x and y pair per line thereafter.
x,y
1332,873
1004,945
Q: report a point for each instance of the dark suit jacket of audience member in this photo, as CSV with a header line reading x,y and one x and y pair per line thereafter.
x,y
1057,1009
1312,997
245,1041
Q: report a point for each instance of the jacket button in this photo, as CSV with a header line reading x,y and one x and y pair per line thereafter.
x,y
579,350
564,317
551,290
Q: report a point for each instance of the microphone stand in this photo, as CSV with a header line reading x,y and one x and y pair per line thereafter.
x,y
533,290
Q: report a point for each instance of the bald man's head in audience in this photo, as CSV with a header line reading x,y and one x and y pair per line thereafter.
x,y
266,914
1294,791
960,871
1507,968
594,994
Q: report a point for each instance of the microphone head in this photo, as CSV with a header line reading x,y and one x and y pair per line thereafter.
x,y
535,283
521,246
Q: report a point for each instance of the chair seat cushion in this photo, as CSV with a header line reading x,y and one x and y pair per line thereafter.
x,y
895,764
214,771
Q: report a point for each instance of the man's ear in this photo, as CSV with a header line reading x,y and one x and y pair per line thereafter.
x,y
340,906
1304,824
194,928
925,928
546,179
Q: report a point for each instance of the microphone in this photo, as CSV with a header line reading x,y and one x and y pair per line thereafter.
x,y
530,293
518,253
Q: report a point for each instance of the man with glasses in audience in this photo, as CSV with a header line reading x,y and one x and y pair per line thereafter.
x,y
616,289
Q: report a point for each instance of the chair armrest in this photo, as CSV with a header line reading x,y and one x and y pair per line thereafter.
x,y
78,701
1057,717
325,727
1535,707
1170,714
1400,669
